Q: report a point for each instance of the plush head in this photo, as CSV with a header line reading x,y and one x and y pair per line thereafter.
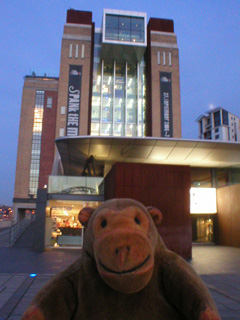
x,y
121,236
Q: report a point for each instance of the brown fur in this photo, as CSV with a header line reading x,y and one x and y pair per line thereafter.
x,y
125,272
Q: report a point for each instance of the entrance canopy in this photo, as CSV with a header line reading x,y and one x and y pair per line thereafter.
x,y
75,151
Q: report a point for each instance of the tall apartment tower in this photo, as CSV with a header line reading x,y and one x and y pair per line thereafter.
x,y
219,124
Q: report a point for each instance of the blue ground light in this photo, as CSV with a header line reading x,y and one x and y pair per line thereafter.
x,y
32,275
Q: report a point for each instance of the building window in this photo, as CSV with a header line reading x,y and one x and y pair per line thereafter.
x,y
159,58
170,59
49,102
225,117
216,130
118,99
63,110
124,28
217,119
83,51
217,136
61,132
70,51
76,51
36,143
164,58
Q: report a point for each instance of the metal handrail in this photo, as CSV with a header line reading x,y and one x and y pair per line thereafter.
x,y
9,236
17,229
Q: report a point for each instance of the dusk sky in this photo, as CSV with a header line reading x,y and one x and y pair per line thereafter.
x,y
208,34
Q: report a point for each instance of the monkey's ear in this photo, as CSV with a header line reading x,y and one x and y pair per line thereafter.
x,y
156,215
84,215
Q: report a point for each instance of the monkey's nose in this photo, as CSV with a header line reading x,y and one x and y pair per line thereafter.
x,y
122,255
123,249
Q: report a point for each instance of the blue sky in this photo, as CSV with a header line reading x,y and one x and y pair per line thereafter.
x,y
208,33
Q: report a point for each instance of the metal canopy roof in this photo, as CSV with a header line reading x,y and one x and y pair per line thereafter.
x,y
74,152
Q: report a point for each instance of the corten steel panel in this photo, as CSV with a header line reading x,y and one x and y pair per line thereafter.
x,y
48,139
228,204
170,176
154,178
136,193
120,174
110,181
174,202
136,174
127,173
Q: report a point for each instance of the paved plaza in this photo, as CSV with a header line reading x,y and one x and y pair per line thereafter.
x,y
23,273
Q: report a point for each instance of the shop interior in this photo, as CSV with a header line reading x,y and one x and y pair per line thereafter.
x,y
63,228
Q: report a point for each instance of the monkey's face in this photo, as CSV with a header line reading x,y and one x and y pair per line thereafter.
x,y
122,247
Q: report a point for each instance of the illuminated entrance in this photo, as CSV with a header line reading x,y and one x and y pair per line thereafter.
x,y
203,210
203,230
63,228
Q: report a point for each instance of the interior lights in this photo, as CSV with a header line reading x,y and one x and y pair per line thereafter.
x,y
203,201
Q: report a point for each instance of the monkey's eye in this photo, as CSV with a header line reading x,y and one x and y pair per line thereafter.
x,y
104,223
137,220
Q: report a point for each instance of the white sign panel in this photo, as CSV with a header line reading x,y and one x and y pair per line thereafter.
x,y
203,200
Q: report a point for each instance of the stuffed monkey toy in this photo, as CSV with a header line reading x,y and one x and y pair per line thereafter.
x,y
125,272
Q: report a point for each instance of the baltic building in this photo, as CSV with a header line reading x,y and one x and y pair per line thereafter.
x,y
110,126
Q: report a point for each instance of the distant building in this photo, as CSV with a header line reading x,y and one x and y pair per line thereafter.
x,y
219,124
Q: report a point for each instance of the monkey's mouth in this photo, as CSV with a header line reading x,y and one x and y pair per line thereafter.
x,y
124,271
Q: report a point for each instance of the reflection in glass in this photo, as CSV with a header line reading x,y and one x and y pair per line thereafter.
x,y
123,28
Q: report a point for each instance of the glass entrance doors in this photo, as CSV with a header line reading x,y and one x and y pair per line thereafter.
x,y
203,229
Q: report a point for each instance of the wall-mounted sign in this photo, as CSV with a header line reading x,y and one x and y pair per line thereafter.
x,y
74,96
166,104
203,200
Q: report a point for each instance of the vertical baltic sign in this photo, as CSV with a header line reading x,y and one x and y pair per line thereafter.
x,y
166,104
74,96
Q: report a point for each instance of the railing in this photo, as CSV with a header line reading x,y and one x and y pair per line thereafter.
x,y
75,185
10,235
5,224
4,238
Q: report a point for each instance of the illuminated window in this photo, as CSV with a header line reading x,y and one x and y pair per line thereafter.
x,y
118,96
203,201
36,143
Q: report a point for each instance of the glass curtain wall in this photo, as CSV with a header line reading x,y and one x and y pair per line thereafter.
x,y
36,143
119,97
124,28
